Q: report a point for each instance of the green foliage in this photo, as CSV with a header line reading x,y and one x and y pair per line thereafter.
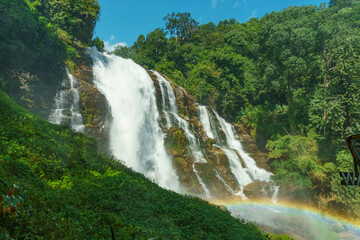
x,y
180,25
67,190
99,44
339,3
299,161
347,197
78,18
177,140
278,237
296,159
27,42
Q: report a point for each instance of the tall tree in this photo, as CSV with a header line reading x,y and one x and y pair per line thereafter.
x,y
180,25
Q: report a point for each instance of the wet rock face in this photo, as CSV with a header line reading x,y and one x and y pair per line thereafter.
x,y
215,173
157,89
220,163
33,92
250,146
182,162
217,163
94,107
259,190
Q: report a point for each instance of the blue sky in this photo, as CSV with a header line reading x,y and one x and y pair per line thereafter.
x,y
122,21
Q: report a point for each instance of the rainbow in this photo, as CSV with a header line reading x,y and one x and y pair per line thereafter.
x,y
296,220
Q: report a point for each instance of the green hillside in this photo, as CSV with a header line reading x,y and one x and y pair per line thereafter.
x,y
55,185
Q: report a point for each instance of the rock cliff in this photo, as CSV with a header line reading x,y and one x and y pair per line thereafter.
x,y
94,107
215,172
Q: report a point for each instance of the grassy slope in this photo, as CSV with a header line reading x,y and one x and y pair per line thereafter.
x,y
70,191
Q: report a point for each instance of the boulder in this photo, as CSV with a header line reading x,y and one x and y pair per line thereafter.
x,y
259,189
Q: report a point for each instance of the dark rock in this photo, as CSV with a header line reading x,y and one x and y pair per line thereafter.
x,y
33,92
249,145
182,162
94,107
259,189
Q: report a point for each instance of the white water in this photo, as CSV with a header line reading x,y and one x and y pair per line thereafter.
x,y
171,111
67,105
202,184
232,147
76,118
135,136
205,120
254,171
224,182
275,195
57,115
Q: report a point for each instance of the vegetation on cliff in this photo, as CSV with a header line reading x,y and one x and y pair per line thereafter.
x,y
38,38
39,35
291,76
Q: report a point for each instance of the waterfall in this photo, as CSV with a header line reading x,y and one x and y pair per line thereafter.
x,y
57,115
205,120
254,171
232,148
135,135
275,194
170,110
67,105
76,119
224,182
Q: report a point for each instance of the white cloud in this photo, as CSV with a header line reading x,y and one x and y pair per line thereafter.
x,y
214,3
245,3
111,47
236,4
253,14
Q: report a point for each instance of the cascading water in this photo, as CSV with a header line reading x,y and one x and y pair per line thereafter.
x,y
209,125
254,171
224,182
275,195
135,136
232,147
67,105
57,115
76,118
173,118
205,120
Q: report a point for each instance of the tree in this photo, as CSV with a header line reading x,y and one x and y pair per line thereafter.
x,y
76,17
180,25
340,3
157,41
98,43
